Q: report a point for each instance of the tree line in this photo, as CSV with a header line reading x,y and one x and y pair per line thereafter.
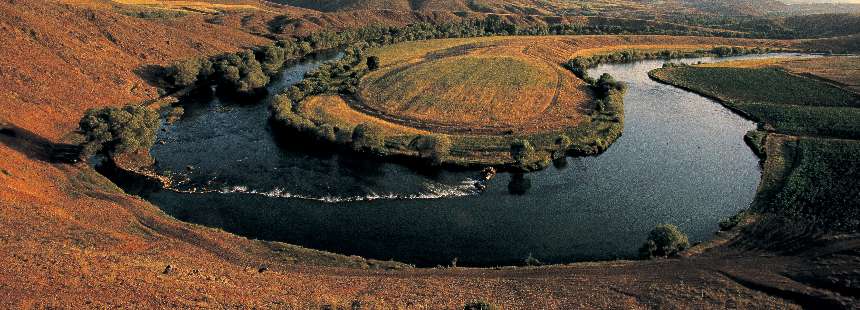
x,y
248,71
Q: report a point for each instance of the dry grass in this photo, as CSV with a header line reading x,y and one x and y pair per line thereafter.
x,y
842,70
191,6
469,91
749,63
333,110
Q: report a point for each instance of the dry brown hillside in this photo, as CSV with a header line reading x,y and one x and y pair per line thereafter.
x,y
71,239
60,59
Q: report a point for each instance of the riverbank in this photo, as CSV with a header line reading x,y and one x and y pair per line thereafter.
x,y
808,140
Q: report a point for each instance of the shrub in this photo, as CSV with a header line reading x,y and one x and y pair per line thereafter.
x,y
478,305
664,240
432,147
367,138
372,63
532,261
184,73
607,83
562,144
734,220
271,58
114,130
174,114
281,106
522,151
240,72
326,132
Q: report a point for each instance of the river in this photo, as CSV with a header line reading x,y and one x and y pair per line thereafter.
x,y
682,160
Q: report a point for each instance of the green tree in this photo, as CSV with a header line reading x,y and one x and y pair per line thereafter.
x,y
241,72
664,240
478,305
271,58
114,130
281,106
326,132
368,138
372,63
185,73
435,147
522,151
562,144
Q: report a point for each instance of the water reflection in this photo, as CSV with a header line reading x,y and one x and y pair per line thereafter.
x,y
519,184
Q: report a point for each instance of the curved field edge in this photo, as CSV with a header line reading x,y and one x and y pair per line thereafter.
x,y
791,104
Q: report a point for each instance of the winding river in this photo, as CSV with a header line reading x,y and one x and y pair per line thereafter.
x,y
681,160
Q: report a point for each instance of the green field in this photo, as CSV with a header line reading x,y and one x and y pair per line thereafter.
x,y
784,102
822,187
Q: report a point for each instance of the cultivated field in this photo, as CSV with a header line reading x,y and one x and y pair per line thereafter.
x,y
784,101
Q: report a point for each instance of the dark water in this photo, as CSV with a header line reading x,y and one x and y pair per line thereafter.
x,y
681,160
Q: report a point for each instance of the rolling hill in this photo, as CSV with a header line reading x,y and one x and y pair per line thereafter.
x,y
69,238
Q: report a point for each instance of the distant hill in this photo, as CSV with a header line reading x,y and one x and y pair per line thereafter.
x,y
555,7
737,7
486,6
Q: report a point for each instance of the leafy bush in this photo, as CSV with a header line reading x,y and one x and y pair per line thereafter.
x,y
478,305
733,221
434,147
271,58
184,73
240,72
114,130
606,83
372,63
664,240
522,151
368,138
562,144
326,132
532,261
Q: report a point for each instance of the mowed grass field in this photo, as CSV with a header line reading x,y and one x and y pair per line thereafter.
x,y
499,91
785,102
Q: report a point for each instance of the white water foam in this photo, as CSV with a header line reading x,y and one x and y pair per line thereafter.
x,y
430,191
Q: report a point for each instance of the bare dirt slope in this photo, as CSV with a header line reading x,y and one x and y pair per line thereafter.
x,y
70,239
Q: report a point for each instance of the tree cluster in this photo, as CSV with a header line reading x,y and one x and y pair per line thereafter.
x,y
664,240
434,147
113,130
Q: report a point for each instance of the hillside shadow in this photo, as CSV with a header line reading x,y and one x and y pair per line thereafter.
x,y
33,146
151,74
